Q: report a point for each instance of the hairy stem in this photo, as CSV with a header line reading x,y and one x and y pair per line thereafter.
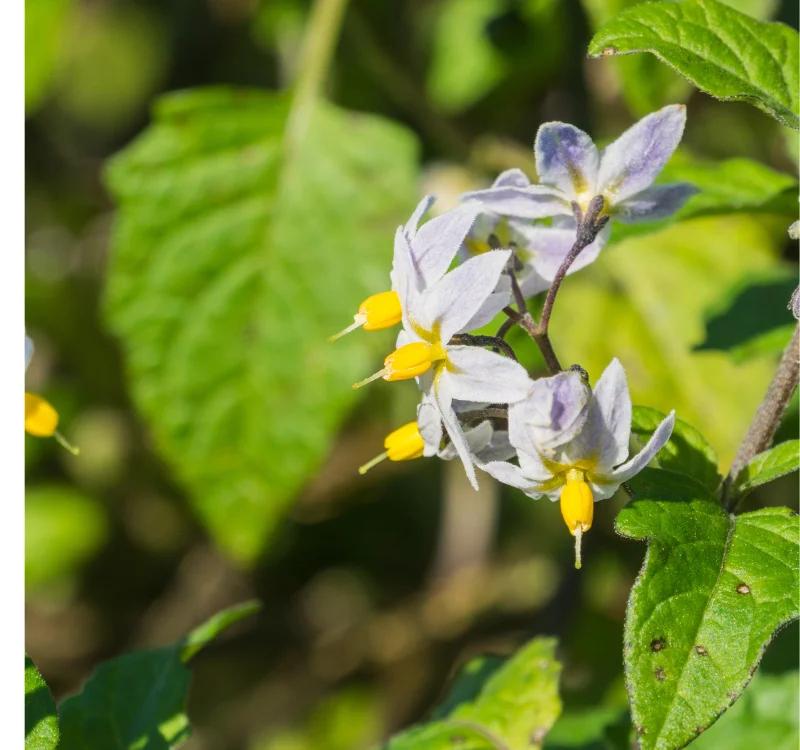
x,y
319,42
768,415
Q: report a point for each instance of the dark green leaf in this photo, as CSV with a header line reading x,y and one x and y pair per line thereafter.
x,y
721,51
234,259
713,591
514,707
752,318
764,717
41,720
138,700
686,452
767,466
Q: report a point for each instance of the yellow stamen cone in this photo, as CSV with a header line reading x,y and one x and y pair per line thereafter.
x,y
41,419
407,362
376,312
402,444
577,508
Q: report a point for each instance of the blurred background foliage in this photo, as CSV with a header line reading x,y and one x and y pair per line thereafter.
x,y
375,589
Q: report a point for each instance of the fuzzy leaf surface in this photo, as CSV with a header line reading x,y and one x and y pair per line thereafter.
x,y
41,719
720,50
767,466
713,591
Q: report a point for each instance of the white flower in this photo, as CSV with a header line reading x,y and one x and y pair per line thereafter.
x,y
446,369
572,443
571,168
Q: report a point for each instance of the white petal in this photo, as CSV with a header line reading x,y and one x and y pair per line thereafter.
x,y
513,476
498,449
478,438
512,178
410,227
532,202
553,413
643,457
444,400
455,299
632,162
476,374
438,241
566,158
655,202
429,422
614,408
28,350
494,303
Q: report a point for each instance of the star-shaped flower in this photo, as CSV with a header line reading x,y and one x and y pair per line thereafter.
x,y
446,369
572,443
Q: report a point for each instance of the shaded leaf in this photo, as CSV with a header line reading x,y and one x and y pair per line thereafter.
x,y
767,466
589,729
752,318
686,452
712,592
41,720
234,259
137,700
720,50
516,705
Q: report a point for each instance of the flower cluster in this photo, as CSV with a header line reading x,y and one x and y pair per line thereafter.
x,y
453,274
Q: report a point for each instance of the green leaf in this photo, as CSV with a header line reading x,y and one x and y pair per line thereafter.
x,y
137,701
713,591
41,720
751,318
721,51
767,466
657,318
590,729
686,452
233,260
514,703
63,529
765,716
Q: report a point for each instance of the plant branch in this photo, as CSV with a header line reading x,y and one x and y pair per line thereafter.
x,y
491,341
767,417
319,42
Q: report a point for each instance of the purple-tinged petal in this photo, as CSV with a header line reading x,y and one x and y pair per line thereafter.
x,y
512,178
410,227
656,202
632,162
657,441
567,159
552,414
476,374
456,298
613,402
532,202
444,401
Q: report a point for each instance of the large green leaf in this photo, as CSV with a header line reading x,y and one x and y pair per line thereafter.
x,y
644,301
137,701
41,720
63,529
722,51
234,258
767,466
712,592
765,716
686,452
511,704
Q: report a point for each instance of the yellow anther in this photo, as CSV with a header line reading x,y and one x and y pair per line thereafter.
x,y
407,362
402,444
41,419
577,508
377,311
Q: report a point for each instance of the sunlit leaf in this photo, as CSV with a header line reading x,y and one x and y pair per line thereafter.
x,y
713,591
720,50
137,701
41,720
767,466
510,705
233,261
